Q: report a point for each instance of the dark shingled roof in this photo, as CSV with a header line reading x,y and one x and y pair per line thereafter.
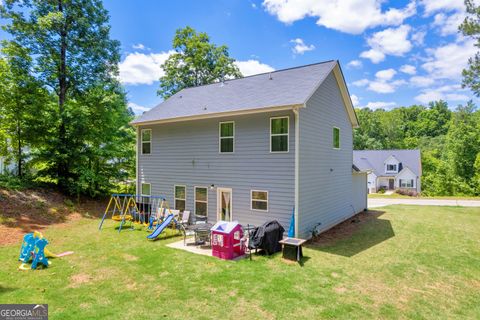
x,y
287,87
374,160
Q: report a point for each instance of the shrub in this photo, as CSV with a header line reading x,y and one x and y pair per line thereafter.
x,y
407,192
381,190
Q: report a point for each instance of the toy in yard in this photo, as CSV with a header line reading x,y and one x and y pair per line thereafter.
x,y
162,221
33,247
133,209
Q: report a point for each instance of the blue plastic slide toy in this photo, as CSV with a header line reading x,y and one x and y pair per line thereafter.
x,y
158,230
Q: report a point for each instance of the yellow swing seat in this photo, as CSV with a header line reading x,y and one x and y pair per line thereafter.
x,y
120,217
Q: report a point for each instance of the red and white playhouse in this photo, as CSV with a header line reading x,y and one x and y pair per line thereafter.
x,y
227,240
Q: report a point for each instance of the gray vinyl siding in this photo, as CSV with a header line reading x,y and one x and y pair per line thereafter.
x,y
187,153
325,174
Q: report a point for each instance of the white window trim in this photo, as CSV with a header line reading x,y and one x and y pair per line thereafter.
x,y
280,134
406,184
175,196
141,189
229,137
391,171
339,140
251,200
141,142
195,199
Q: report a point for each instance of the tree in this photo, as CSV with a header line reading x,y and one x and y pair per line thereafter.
x,y
196,61
471,27
21,96
73,56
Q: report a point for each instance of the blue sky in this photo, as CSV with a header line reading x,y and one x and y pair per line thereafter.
x,y
392,53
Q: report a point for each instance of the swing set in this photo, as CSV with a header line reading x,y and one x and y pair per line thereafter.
x,y
147,211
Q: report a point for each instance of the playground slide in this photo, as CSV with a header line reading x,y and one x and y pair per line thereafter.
x,y
161,227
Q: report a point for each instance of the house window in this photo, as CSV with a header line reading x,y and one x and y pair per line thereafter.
x,y
406,183
201,201
180,197
146,189
279,134
227,136
146,141
391,168
336,138
259,200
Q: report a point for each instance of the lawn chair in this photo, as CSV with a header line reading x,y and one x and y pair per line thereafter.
x,y
185,220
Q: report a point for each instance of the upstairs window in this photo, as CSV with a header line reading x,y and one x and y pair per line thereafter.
x,y
227,136
180,197
391,168
336,138
146,137
279,134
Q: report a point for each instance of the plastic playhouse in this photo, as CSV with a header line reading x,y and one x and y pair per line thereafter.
x,y
227,240
33,248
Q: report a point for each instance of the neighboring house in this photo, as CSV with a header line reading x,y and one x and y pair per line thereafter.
x,y
390,169
255,149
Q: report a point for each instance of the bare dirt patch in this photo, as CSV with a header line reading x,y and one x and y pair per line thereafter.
x,y
347,228
31,210
79,279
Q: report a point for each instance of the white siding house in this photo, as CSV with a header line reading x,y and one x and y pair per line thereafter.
x,y
390,169
258,148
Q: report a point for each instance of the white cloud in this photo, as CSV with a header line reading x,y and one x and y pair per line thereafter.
x,y
380,105
432,6
408,69
448,61
251,67
254,6
350,16
355,64
418,37
300,46
355,100
381,83
138,109
448,24
386,74
448,93
375,56
138,46
420,81
391,41
360,83
139,68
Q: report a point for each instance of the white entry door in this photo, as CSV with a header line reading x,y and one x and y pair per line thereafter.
x,y
224,204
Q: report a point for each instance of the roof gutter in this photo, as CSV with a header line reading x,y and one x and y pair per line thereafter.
x,y
217,115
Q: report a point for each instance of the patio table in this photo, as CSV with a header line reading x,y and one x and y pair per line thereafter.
x,y
202,232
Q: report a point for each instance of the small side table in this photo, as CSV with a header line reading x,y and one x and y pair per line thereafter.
x,y
292,248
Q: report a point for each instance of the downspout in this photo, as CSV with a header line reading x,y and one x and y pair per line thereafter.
x,y
297,170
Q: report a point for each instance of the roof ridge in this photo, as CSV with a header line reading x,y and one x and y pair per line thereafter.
x,y
260,74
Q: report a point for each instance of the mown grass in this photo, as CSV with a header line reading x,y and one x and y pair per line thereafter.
x,y
408,262
402,196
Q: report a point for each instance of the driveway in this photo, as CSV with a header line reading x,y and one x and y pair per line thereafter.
x,y
376,202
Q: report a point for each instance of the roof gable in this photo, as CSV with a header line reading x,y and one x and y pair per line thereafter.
x,y
278,90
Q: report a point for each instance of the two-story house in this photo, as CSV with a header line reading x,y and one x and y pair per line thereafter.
x,y
255,149
390,169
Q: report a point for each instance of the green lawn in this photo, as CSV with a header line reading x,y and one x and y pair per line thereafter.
x,y
403,262
401,196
